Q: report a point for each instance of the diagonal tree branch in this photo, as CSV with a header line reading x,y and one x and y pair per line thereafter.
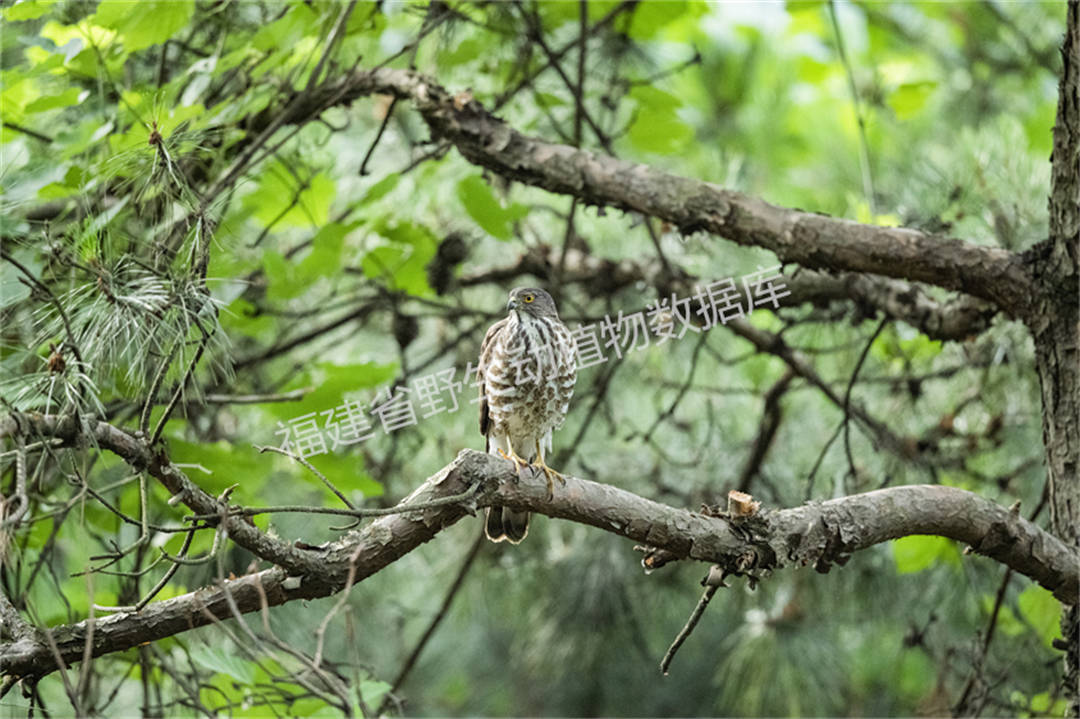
x,y
811,240
817,534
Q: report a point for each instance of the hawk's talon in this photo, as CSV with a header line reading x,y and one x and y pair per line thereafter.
x,y
551,475
519,463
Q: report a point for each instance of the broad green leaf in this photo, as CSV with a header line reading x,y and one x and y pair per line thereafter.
x,y
82,33
227,463
288,279
651,17
916,676
381,188
657,127
145,23
224,662
18,92
240,318
284,200
468,49
373,690
918,552
482,205
401,261
68,97
288,30
1039,608
26,10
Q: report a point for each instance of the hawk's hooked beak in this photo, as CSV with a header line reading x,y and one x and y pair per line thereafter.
x,y
511,304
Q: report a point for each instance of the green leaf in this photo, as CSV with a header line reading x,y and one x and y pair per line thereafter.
x,y
381,188
286,31
72,183
468,49
145,23
71,96
910,97
482,205
290,279
651,17
373,690
25,10
916,675
402,260
284,200
657,127
239,317
918,552
1039,608
224,662
225,462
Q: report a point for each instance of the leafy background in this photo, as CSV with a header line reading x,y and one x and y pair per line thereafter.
x,y
125,141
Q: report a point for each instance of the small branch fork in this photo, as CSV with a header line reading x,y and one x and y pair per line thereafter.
x,y
739,541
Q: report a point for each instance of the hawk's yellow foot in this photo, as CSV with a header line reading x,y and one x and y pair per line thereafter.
x,y
550,473
519,462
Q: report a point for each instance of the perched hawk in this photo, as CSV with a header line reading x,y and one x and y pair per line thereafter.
x,y
527,369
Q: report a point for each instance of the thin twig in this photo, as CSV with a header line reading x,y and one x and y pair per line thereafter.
x,y
174,566
600,24
821,457
310,466
335,33
183,380
26,131
378,136
847,393
695,617
864,148
52,298
380,512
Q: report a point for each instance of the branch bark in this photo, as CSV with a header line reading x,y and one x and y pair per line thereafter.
x,y
811,240
817,534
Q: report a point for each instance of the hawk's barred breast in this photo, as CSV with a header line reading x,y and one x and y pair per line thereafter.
x,y
529,379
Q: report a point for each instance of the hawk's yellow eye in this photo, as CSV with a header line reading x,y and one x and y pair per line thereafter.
x,y
527,298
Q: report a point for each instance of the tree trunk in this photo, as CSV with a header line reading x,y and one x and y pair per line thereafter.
x,y
1054,326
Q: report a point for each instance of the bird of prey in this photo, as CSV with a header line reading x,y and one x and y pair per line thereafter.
x,y
527,369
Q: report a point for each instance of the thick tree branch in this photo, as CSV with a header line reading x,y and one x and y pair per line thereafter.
x,y
811,240
818,534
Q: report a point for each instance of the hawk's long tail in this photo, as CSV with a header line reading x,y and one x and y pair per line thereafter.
x,y
503,524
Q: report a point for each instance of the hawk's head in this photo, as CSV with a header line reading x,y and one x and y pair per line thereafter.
x,y
532,301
